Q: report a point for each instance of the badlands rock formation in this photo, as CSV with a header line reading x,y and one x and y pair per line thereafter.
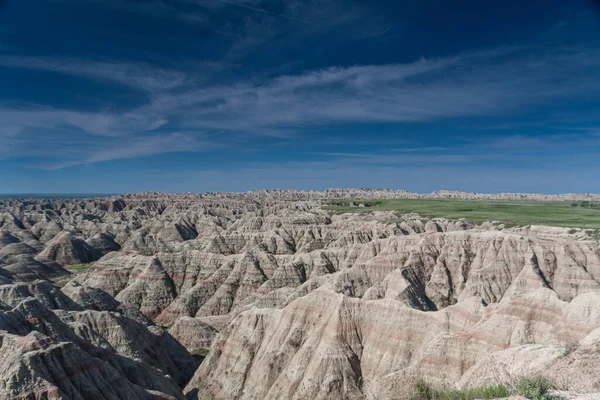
x,y
286,300
330,194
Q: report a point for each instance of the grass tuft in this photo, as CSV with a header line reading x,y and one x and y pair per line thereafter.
x,y
593,233
200,351
534,388
426,392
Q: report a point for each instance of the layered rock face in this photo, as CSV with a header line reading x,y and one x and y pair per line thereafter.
x,y
443,307
287,300
53,348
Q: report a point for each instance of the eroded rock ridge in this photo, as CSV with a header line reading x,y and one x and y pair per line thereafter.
x,y
285,299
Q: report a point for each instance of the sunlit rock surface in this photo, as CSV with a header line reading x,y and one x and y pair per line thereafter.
x,y
288,300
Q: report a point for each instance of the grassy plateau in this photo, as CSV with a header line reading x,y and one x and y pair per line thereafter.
x,y
511,213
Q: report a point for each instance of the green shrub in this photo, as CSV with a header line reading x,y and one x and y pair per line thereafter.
x,y
534,388
200,351
426,392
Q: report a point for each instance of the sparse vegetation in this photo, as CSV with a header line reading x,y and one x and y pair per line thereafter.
x,y
570,348
508,212
61,281
200,351
586,204
593,233
79,268
426,392
534,388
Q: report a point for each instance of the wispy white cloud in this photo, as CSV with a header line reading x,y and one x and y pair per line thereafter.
x,y
322,15
138,75
94,123
431,149
254,22
154,8
352,19
522,142
425,157
143,146
132,148
491,83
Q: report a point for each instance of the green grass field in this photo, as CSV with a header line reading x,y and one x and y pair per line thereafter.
x,y
510,213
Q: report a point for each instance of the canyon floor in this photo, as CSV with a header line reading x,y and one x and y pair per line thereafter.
x,y
300,295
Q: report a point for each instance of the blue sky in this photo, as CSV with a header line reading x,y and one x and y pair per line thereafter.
x,y
107,96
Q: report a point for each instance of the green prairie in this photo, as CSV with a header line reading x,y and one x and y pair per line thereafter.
x,y
510,213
